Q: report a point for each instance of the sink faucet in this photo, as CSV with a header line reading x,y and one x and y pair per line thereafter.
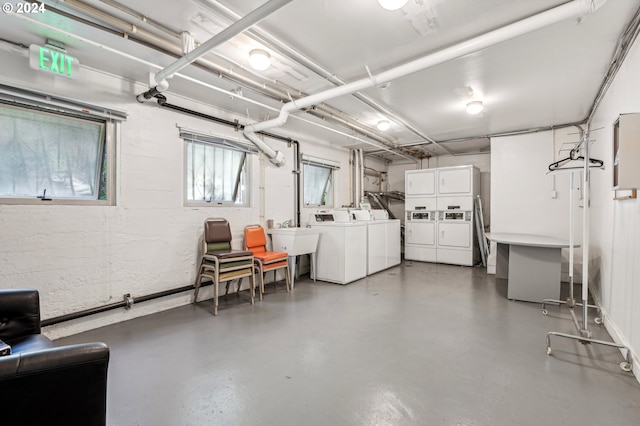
x,y
286,224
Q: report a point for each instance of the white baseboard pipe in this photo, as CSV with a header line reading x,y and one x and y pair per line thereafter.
x,y
574,9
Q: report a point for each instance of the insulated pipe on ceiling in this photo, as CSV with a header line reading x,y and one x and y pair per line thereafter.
x,y
293,54
231,31
50,27
132,31
576,8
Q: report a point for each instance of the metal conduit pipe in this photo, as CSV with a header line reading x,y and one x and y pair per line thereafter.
x,y
127,303
234,29
352,175
162,101
296,181
126,27
357,127
34,22
361,171
291,53
134,33
576,8
140,17
624,45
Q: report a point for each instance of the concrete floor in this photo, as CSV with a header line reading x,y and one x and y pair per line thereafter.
x,y
419,344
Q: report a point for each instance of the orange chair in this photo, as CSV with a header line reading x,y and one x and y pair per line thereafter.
x,y
264,261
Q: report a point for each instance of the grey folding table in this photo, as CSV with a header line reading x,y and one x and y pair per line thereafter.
x,y
530,263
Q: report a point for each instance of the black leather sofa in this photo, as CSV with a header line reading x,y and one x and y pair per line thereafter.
x,y
41,384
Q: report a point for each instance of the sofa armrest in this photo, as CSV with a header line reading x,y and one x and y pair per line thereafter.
x,y
19,313
63,385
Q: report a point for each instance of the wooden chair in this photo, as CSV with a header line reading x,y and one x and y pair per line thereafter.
x,y
219,262
263,260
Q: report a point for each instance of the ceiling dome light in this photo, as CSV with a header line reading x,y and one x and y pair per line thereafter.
x,y
383,125
259,59
392,4
474,107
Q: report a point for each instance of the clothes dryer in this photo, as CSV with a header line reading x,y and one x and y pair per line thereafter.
x,y
420,236
455,238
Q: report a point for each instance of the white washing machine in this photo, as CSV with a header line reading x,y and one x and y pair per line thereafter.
x,y
383,239
420,236
455,238
341,256
394,237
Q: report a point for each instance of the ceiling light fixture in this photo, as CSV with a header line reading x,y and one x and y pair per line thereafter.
x,y
474,107
383,125
392,4
259,59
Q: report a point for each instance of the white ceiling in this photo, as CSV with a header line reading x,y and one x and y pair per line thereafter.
x,y
548,77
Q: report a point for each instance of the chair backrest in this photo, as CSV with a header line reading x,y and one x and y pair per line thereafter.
x,y
19,313
217,234
254,239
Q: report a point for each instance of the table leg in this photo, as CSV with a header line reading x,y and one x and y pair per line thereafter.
x,y
502,261
534,273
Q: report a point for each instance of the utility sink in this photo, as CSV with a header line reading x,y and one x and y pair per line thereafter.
x,y
294,241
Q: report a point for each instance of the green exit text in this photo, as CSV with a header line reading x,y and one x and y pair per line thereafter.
x,y
51,60
54,61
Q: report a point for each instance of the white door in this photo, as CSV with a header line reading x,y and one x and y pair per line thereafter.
x,y
420,182
454,234
420,203
457,181
420,232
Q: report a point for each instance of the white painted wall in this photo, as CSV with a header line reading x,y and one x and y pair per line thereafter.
x,y
522,198
82,257
521,202
614,267
396,183
526,199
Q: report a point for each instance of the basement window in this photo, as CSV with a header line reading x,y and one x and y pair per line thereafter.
x,y
217,170
54,151
318,181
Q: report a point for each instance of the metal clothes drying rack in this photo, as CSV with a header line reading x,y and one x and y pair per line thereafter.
x,y
574,163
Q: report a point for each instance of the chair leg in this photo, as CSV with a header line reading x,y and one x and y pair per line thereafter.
x,y
196,285
216,290
239,285
261,283
252,280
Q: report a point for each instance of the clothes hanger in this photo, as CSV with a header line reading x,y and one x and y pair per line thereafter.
x,y
593,162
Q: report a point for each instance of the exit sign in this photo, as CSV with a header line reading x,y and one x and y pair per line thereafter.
x,y
53,60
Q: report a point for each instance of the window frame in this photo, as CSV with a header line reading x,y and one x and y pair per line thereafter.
x,y
320,163
190,136
46,104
